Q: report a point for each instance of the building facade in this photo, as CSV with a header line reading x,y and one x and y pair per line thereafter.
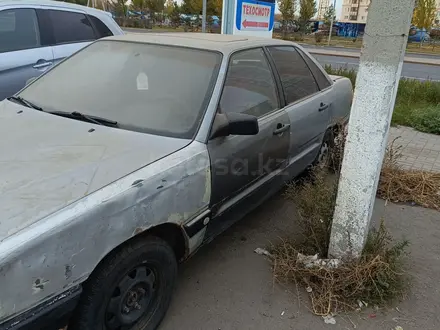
x,y
322,8
355,11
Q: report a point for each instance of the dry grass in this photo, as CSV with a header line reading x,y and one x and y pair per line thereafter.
x,y
395,183
407,186
376,278
315,198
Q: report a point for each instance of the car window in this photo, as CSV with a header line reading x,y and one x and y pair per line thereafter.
x,y
70,27
249,86
155,89
320,78
296,78
18,30
101,28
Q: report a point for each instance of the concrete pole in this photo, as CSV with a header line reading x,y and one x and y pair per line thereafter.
x,y
204,17
377,81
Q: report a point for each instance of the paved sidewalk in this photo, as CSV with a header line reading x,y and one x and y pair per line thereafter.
x,y
226,286
420,151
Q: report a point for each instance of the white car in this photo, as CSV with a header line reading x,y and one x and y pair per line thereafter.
x,y
36,34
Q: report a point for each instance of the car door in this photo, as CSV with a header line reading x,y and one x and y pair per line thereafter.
x,y
22,53
71,31
307,106
240,163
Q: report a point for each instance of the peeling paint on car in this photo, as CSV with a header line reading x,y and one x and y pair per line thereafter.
x,y
68,271
207,195
38,285
84,232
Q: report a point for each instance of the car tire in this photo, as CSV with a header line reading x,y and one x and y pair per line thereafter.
x,y
130,289
323,159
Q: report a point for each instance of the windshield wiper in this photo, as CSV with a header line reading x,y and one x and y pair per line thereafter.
x,y
25,102
82,116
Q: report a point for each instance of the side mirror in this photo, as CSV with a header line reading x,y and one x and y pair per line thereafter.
x,y
234,124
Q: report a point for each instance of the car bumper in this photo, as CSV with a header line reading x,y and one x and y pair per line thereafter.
x,y
53,314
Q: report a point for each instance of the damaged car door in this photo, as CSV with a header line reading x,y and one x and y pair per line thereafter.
x,y
241,164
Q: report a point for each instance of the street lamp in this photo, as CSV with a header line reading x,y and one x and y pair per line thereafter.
x,y
204,17
331,23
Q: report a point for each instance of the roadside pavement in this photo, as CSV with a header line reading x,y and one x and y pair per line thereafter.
x,y
226,286
420,151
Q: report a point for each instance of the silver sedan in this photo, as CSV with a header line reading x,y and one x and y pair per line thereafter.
x,y
130,155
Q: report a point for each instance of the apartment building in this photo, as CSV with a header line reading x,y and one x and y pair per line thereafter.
x,y
355,11
323,6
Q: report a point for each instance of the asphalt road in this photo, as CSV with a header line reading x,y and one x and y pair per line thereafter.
x,y
410,70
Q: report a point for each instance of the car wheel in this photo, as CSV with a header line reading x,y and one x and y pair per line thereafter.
x,y
323,159
131,289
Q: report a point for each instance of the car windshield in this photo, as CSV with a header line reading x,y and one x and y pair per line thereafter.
x,y
155,89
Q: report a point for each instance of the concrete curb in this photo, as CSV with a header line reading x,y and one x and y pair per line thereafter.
x,y
408,59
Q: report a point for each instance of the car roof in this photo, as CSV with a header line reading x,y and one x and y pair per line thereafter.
x,y
224,43
51,3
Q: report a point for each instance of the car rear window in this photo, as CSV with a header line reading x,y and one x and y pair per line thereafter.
x,y
296,78
321,79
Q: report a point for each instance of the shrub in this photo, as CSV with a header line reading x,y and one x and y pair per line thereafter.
x,y
417,102
427,119
342,71
315,198
298,37
318,37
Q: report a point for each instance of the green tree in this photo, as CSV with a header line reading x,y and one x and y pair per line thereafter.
x,y
119,7
424,15
328,15
287,9
155,6
169,7
138,5
175,15
306,11
194,7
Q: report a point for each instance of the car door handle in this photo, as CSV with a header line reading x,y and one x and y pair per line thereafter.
x,y
281,128
323,106
42,65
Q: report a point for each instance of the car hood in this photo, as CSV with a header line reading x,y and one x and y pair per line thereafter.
x,y
48,162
